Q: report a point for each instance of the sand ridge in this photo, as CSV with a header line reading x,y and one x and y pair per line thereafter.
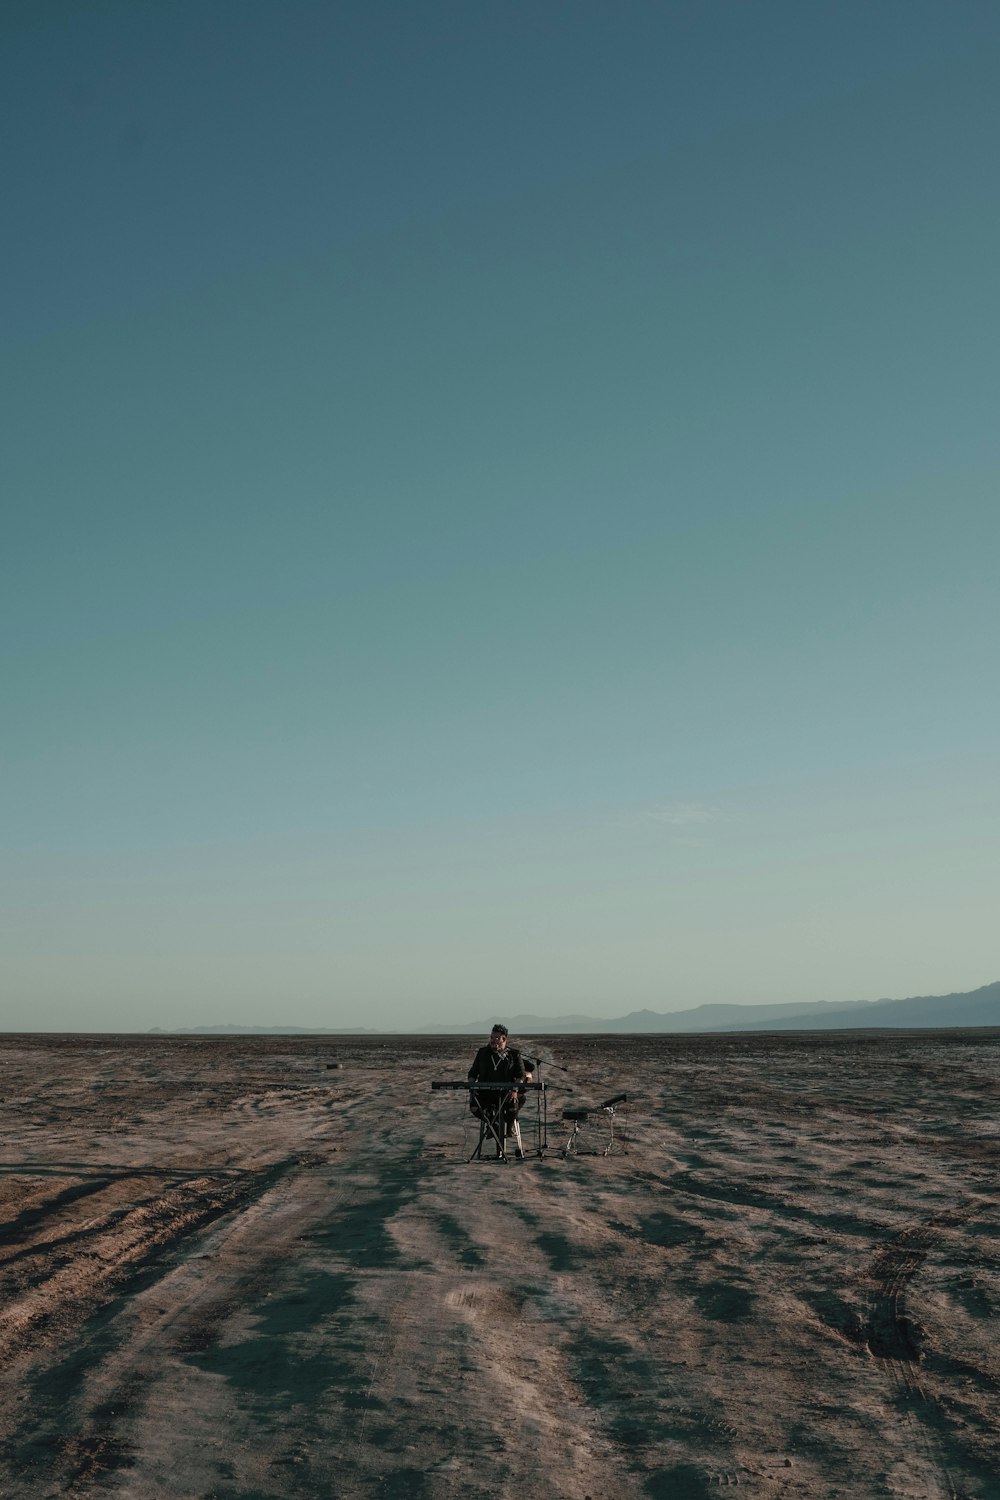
x,y
232,1270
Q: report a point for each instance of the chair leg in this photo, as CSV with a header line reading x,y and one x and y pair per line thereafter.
x,y
498,1136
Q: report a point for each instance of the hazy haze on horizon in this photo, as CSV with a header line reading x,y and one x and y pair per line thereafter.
x,y
501,509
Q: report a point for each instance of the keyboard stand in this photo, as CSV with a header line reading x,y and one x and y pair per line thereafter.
x,y
491,1128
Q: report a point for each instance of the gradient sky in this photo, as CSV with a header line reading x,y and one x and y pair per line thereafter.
x,y
501,507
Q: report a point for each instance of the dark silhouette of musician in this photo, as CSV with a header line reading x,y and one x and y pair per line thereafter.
x,y
498,1063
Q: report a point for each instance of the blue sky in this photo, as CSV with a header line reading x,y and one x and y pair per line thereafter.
x,y
501,508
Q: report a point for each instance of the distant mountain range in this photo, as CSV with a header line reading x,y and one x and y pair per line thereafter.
x,y
231,1030
970,1008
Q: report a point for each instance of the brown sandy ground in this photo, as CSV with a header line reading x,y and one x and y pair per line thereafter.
x,y
230,1270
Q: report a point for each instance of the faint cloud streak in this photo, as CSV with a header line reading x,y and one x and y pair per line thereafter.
x,y
684,814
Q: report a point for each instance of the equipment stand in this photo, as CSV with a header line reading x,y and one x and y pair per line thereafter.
x,y
579,1117
609,1110
542,1111
491,1128
489,1100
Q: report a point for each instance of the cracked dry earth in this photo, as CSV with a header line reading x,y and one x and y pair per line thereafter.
x,y
232,1270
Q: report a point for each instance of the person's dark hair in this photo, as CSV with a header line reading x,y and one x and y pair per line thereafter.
x,y
501,1028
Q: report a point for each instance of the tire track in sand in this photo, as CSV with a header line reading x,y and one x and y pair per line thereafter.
x,y
70,1430
895,1339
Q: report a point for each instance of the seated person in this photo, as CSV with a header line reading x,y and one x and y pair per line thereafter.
x,y
498,1063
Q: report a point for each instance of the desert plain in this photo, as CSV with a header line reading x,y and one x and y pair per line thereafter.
x,y
258,1268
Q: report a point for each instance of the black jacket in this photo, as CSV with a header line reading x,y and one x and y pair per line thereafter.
x,y
497,1067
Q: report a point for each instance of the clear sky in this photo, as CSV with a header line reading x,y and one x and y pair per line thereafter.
x,y
501,507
